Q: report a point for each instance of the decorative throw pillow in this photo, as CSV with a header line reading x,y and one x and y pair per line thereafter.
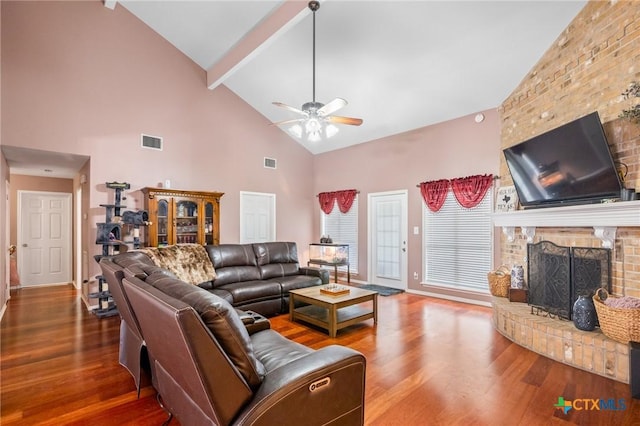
x,y
188,262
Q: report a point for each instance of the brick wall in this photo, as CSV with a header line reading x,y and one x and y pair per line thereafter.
x,y
587,68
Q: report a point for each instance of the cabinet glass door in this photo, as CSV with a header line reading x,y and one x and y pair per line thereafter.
x,y
163,222
186,222
208,223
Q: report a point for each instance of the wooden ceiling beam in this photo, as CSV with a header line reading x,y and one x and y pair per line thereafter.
x,y
268,30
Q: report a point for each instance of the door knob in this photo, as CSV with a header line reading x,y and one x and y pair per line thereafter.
x,y
24,245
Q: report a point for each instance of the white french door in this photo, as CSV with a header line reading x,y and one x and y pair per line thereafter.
x,y
44,238
257,217
388,239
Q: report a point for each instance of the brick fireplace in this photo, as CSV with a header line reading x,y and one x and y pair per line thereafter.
x,y
595,225
586,69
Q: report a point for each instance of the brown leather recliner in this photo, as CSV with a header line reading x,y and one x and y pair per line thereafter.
x,y
210,370
132,351
133,354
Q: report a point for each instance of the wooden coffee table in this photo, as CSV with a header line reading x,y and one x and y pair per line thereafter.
x,y
333,312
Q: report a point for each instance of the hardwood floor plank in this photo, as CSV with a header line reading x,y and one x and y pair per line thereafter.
x,y
429,362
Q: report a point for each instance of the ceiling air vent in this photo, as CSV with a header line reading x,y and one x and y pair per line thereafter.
x,y
269,163
152,142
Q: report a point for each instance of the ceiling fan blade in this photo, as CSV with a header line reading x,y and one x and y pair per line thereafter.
x,y
290,108
332,106
294,120
344,120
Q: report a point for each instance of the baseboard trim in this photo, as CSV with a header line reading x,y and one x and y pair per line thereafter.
x,y
454,294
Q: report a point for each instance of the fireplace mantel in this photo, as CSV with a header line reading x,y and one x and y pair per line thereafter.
x,y
605,218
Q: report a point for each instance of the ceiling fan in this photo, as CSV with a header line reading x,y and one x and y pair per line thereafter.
x,y
317,118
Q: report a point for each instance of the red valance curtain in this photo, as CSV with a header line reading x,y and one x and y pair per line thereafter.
x,y
434,193
344,198
326,200
470,190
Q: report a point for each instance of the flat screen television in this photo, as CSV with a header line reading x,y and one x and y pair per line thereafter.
x,y
571,164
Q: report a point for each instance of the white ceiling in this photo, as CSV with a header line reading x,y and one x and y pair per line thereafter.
x,y
401,65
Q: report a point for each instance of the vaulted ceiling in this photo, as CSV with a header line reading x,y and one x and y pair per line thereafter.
x,y
401,65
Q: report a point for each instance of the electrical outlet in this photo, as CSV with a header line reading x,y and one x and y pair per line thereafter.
x,y
415,275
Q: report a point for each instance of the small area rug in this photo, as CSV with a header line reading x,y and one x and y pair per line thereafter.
x,y
382,290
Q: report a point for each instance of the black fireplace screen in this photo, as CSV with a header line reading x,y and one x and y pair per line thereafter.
x,y
558,275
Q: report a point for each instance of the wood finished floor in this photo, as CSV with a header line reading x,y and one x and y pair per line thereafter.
x,y
429,362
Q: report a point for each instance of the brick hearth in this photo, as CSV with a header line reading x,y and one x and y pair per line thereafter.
x,y
560,340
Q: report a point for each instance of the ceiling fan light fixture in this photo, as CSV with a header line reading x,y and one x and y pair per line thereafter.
x,y
318,118
331,130
313,125
314,136
296,130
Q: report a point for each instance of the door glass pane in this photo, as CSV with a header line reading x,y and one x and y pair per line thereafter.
x,y
208,223
163,218
186,222
388,236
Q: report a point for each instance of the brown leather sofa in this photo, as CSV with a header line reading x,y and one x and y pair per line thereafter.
x,y
254,277
251,277
211,370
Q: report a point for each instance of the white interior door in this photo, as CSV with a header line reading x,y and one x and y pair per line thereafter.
x,y
388,239
44,238
257,217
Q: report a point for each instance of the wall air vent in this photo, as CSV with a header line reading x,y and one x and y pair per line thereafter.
x,y
269,163
151,142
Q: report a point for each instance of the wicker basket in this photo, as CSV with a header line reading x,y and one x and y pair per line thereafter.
x,y
621,325
500,281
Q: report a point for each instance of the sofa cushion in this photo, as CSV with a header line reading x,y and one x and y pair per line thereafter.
x,y
223,322
233,263
132,257
277,259
246,291
188,262
298,281
143,270
274,350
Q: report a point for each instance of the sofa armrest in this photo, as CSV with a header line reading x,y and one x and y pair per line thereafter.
x,y
323,274
328,383
253,321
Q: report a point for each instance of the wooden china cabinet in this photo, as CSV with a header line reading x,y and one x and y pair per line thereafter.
x,y
178,216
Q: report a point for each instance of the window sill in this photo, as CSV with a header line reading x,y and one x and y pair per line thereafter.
x,y
457,294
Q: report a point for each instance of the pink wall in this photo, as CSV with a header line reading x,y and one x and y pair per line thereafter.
x,y
455,148
80,78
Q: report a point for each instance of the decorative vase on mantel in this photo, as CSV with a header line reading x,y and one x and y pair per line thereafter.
x,y
584,313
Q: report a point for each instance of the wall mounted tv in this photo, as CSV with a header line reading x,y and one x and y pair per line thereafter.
x,y
571,164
